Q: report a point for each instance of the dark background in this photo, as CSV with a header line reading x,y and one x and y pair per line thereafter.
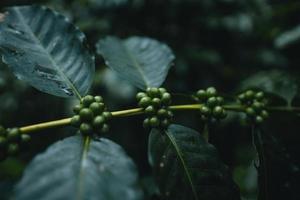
x,y
216,42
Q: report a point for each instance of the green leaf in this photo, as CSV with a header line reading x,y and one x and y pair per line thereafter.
x,y
187,167
142,61
262,166
275,82
287,38
80,169
44,49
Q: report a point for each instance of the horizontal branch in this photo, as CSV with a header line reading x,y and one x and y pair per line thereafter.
x,y
138,111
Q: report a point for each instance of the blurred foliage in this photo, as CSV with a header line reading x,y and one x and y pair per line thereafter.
x,y
216,42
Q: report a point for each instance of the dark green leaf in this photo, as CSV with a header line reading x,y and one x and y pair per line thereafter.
x,y
262,166
287,38
276,82
142,61
80,169
46,50
187,167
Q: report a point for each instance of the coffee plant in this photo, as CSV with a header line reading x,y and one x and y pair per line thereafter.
x,y
44,49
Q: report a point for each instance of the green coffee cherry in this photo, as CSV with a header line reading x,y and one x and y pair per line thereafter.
x,y
98,121
211,91
156,102
249,94
212,101
107,115
202,95
220,100
12,149
166,98
86,114
146,123
153,92
98,99
140,95
150,110
204,110
242,97
144,102
162,112
259,96
264,114
25,138
75,121
170,114
13,135
217,111
86,129
97,108
258,106
87,100
105,128
162,90
165,123
250,111
259,119
77,108
154,122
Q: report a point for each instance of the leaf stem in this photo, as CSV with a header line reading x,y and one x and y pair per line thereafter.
x,y
206,132
139,111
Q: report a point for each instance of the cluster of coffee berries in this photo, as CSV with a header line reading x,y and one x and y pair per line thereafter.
x,y
91,116
255,105
211,108
10,140
156,102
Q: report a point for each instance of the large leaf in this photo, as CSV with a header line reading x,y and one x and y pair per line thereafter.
x,y
277,82
80,169
46,50
142,61
187,167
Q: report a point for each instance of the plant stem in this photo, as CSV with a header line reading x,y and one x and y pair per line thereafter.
x,y
186,107
206,132
45,125
129,112
138,111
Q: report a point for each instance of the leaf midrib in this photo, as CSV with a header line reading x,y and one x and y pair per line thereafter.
x,y
179,154
84,154
36,39
135,64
